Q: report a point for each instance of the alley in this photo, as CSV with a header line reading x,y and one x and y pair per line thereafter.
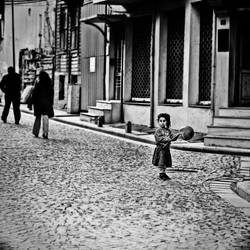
x,y
84,190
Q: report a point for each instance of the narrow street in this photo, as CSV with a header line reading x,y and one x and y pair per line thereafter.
x,y
84,190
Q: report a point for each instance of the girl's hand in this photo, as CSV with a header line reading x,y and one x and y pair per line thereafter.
x,y
175,137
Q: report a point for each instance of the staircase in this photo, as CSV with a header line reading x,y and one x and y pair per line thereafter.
x,y
231,129
110,110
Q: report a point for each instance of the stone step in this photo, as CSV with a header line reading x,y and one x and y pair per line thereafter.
x,y
235,112
229,131
106,113
107,104
88,117
226,141
232,121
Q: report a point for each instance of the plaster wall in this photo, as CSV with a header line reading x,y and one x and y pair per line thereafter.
x,y
198,118
137,114
221,72
222,80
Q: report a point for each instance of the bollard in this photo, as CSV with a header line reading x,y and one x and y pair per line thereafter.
x,y
100,121
128,127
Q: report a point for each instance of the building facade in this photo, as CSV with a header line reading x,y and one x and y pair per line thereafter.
x,y
67,78
188,58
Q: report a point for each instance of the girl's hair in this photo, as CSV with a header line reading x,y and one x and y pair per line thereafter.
x,y
166,116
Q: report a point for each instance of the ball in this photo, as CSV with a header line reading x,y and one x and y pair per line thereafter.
x,y
187,133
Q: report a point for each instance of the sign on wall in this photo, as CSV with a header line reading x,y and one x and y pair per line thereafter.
x,y
92,64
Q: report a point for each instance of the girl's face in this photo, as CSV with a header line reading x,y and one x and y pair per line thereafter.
x,y
162,122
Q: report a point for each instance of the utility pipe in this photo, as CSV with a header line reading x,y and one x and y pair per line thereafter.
x,y
13,34
213,88
152,66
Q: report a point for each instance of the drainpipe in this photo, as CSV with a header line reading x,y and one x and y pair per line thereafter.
x,y
13,34
152,66
213,88
69,44
105,59
122,79
55,45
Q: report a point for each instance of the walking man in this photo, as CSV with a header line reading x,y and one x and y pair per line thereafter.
x,y
11,86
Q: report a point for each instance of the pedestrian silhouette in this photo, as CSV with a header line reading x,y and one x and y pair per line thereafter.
x,y
11,87
42,100
163,138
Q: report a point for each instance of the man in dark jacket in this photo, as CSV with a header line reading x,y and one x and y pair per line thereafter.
x,y
11,86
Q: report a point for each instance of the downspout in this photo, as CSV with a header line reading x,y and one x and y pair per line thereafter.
x,y
152,66
122,80
69,45
55,45
213,88
13,34
104,58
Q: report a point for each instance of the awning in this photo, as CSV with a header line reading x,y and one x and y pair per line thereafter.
x,y
116,2
8,2
229,4
102,18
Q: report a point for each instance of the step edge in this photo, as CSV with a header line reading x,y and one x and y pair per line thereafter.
x,y
227,137
89,114
227,126
232,117
99,108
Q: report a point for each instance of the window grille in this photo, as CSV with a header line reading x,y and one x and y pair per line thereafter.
x,y
141,59
175,52
205,67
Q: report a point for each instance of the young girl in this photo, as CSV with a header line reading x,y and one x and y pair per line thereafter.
x,y
163,137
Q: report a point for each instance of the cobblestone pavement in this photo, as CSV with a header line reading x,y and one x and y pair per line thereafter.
x,y
83,190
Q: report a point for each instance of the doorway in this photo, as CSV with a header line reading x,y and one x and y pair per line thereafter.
x,y
242,81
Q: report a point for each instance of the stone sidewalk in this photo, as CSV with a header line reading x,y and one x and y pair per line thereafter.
x,y
85,190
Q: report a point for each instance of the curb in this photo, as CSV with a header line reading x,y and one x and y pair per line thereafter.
x,y
194,147
242,189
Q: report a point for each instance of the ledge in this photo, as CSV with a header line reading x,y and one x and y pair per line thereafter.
x,y
137,103
171,104
199,106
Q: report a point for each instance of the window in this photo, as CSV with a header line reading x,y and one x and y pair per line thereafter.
x,y
74,79
75,29
175,56
61,87
205,67
63,28
141,59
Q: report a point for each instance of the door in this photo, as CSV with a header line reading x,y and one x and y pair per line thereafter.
x,y
243,86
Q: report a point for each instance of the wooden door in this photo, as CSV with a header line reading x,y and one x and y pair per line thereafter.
x,y
244,60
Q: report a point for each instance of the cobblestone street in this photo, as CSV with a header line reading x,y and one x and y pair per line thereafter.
x,y
86,190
